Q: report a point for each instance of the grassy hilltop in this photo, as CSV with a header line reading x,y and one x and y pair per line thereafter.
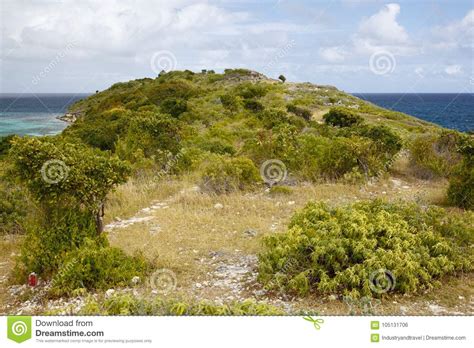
x,y
234,193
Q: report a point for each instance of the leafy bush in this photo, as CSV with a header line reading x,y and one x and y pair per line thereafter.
x,y
125,304
332,250
342,117
70,182
97,266
251,90
299,111
174,106
253,105
151,133
100,130
461,183
230,101
5,144
280,190
435,155
13,208
223,175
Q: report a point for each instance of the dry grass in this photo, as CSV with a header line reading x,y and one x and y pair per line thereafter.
x,y
189,228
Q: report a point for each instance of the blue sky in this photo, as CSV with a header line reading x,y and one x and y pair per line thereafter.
x,y
357,46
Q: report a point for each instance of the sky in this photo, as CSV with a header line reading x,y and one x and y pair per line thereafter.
x,y
61,46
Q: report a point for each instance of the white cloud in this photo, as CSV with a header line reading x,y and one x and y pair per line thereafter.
x,y
454,69
458,34
332,54
382,28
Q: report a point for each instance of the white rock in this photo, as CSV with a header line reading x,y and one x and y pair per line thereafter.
x,y
218,206
109,292
136,280
332,298
291,202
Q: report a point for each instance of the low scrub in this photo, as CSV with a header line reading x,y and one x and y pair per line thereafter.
x,y
347,249
125,304
97,266
461,184
226,174
342,117
435,155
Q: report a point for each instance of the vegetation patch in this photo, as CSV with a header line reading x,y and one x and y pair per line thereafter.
x,y
342,250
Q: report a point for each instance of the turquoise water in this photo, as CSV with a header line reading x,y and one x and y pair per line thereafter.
x,y
34,114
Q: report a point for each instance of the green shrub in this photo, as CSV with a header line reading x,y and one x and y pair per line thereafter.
x,y
299,111
386,141
14,208
5,144
253,105
230,102
125,304
435,155
151,133
174,106
96,266
461,183
223,175
250,90
47,244
334,250
342,117
100,130
280,190
70,183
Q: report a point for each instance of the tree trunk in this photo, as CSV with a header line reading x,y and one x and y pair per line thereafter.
x,y
99,219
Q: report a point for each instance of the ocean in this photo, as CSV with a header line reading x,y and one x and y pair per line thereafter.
x,y
34,114
29,114
450,110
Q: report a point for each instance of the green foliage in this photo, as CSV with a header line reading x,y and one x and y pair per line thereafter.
x,y
125,304
173,106
150,133
77,175
47,244
253,105
249,90
101,130
96,266
342,117
333,250
70,183
230,102
280,190
461,183
14,208
299,111
435,155
224,174
5,144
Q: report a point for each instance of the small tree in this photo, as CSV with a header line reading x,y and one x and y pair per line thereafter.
x,y
282,78
67,176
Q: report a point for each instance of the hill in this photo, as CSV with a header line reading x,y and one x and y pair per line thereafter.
x,y
194,187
